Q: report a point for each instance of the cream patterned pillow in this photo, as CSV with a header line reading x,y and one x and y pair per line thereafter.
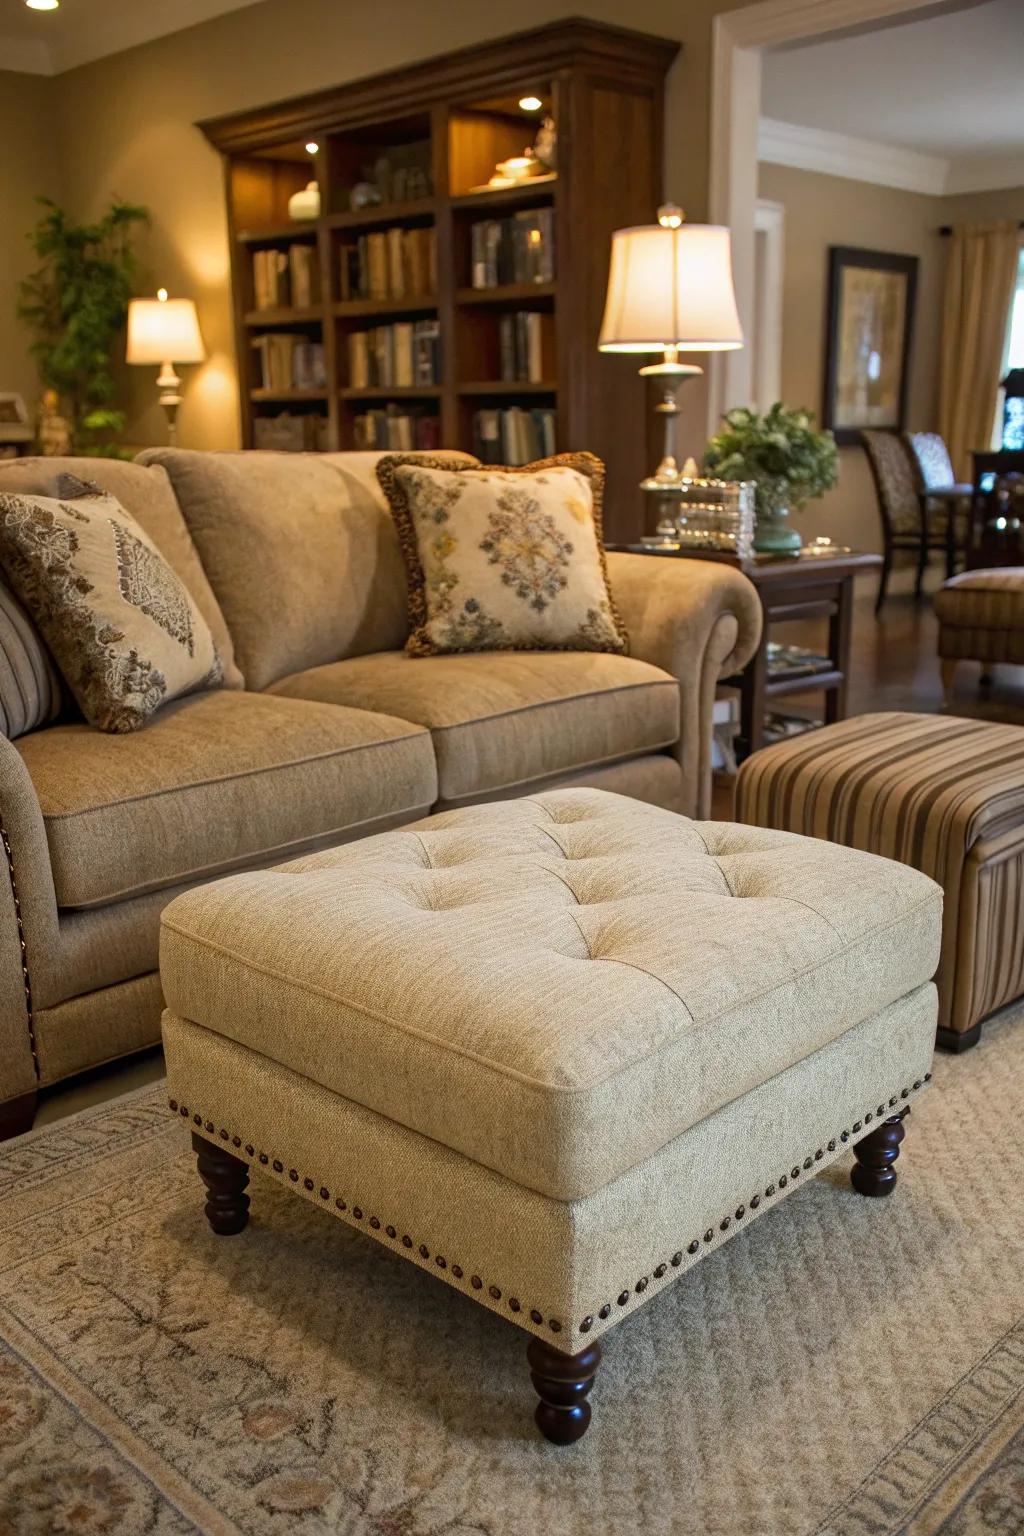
x,y
503,559
121,626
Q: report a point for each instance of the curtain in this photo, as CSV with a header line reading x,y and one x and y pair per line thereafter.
x,y
980,282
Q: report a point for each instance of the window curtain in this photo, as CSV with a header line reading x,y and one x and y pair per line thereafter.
x,y
980,281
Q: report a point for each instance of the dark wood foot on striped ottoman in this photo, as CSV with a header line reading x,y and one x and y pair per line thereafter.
x,y
225,1177
958,1040
873,1173
562,1383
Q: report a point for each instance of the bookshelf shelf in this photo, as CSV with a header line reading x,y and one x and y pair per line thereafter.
x,y
530,194
511,387
397,392
289,232
506,293
357,309
256,318
383,214
424,135
273,396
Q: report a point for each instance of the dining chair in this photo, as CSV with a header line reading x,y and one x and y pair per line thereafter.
x,y
901,506
946,501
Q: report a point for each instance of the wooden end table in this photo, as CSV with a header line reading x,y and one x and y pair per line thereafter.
x,y
793,587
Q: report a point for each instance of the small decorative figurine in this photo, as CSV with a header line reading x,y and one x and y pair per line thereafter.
x,y
52,430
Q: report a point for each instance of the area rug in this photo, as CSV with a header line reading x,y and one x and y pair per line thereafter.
x,y
846,1367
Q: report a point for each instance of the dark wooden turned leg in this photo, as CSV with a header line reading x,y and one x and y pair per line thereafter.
x,y
562,1383
225,1177
873,1173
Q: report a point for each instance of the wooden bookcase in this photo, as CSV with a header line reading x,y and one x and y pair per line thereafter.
x,y
454,117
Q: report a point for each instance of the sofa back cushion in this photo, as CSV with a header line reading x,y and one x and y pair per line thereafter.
x,y
300,550
148,496
31,693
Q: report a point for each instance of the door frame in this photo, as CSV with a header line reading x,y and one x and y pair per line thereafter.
x,y
739,38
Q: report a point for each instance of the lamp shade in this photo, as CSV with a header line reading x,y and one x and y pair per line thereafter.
x,y
671,288
164,331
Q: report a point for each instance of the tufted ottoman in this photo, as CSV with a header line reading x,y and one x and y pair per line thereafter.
x,y
942,793
554,1050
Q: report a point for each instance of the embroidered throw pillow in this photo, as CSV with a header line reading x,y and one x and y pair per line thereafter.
x,y
122,627
503,559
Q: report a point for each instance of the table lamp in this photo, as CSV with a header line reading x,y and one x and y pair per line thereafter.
x,y
165,331
670,291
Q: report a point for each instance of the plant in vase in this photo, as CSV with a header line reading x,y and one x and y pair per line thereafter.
x,y
77,303
789,460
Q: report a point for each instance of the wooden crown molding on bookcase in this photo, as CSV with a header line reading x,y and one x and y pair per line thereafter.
x,y
492,66
509,360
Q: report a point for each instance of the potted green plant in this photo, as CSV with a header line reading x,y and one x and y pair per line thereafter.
x,y
789,460
77,302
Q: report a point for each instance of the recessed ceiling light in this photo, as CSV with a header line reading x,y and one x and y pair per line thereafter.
x,y
42,5
311,148
530,103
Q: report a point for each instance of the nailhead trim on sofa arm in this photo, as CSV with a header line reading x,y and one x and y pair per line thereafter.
x,y
719,1227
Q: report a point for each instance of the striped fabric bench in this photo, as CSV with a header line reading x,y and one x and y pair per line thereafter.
x,y
943,794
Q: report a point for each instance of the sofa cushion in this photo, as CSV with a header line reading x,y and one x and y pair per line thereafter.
x,y
300,550
554,986
215,782
505,718
148,495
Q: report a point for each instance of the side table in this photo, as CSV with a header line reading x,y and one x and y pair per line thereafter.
x,y
790,587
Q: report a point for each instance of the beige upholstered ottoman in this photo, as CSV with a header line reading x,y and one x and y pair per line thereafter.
x,y
981,618
554,1050
939,792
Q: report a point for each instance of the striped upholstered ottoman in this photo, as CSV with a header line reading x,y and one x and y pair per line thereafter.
x,y
981,618
941,793
553,1051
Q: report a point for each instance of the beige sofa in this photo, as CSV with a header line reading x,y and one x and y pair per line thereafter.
x,y
326,732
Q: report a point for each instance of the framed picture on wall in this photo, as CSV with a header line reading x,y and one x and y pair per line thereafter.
x,y
867,350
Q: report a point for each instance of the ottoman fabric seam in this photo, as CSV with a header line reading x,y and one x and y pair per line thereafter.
x,y
499,1068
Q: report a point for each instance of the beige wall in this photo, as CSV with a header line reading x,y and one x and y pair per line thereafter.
x,y
29,168
832,210
127,127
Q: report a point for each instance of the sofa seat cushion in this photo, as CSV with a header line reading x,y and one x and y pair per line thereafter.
x,y
500,719
554,986
216,782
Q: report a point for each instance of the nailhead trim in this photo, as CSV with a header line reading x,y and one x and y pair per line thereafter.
x,y
309,1184
26,980
694,1246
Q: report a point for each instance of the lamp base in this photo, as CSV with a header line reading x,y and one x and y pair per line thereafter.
x,y
169,385
671,373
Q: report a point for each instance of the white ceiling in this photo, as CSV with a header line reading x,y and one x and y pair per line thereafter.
x,y
47,42
949,88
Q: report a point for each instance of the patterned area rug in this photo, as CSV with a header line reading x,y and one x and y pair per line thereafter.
x,y
846,1367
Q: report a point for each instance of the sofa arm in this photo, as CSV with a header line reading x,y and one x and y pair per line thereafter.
x,y
699,620
28,924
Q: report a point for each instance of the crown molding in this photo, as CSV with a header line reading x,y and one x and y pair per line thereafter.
x,y
856,159
25,56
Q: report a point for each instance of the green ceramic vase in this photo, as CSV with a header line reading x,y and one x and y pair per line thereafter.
x,y
775,535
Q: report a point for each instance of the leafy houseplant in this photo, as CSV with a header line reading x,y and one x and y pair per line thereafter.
x,y
789,460
77,302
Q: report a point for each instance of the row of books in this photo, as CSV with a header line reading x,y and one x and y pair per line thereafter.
x,y
285,279
290,362
520,249
390,264
527,346
287,433
513,435
398,429
395,356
